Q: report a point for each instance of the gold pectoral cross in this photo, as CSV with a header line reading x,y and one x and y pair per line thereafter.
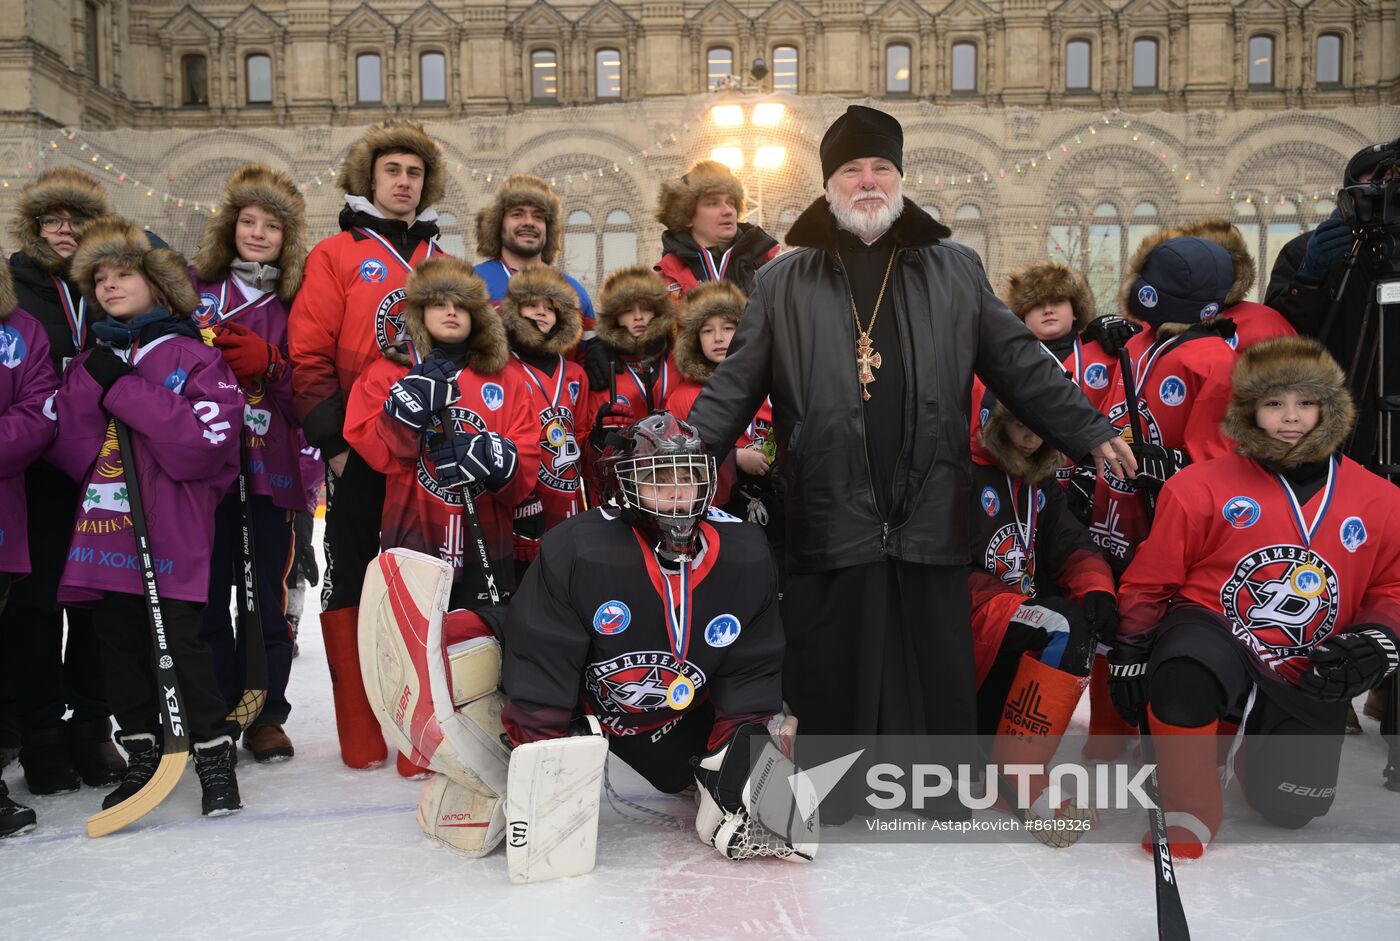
x,y
867,361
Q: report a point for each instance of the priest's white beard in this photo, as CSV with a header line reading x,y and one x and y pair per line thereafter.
x,y
866,224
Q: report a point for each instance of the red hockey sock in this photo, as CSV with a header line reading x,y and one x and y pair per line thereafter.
x,y
408,769
361,741
1037,712
1107,730
1189,785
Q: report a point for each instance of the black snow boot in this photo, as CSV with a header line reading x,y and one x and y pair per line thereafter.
x,y
14,818
142,759
48,768
94,755
213,762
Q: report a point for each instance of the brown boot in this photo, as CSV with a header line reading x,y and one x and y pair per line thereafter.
x,y
268,743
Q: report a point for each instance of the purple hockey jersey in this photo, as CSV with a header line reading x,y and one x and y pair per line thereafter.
x,y
185,411
271,445
27,380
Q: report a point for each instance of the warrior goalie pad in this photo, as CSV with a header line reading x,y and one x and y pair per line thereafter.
x,y
552,806
748,803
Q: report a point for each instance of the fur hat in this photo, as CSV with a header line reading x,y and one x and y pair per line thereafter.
x,y
254,184
60,188
1289,364
443,278
357,173
1047,281
1227,236
1176,279
541,282
995,435
710,299
675,207
8,300
114,241
521,189
624,288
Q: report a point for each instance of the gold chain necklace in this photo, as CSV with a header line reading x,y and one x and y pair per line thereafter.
x,y
867,360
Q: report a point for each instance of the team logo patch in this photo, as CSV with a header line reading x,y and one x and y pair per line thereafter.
x,y
175,382
983,415
991,503
1147,296
1118,415
623,400
1096,376
372,271
1039,500
1172,391
1352,533
1240,512
612,617
1210,310
208,307
1282,601
1234,342
12,347
574,390
389,329
641,682
722,631
1005,559
493,395
560,454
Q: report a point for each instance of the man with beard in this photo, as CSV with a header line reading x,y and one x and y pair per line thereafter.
x,y
865,337
523,226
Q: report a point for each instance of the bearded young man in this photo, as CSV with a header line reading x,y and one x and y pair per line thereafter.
x,y
866,337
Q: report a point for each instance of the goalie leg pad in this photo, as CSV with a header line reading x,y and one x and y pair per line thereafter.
x,y
748,803
552,807
468,820
474,669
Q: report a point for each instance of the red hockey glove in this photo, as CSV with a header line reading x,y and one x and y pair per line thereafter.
x,y
249,355
611,417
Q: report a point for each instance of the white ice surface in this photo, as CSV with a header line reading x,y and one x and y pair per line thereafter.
x,y
321,851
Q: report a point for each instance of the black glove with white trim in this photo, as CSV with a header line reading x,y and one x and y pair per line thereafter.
x,y
1127,681
417,397
1156,465
487,458
1112,332
1350,663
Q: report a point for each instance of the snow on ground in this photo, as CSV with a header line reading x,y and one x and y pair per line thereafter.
x,y
321,851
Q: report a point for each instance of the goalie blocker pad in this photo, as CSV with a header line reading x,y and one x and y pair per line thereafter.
x,y
754,801
441,706
552,806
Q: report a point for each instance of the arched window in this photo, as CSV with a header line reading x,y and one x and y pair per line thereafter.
x,y
194,80
257,72
1077,71
969,229
607,64
432,77
898,80
544,75
367,86
1261,61
719,66
1144,63
581,247
1329,59
619,242
964,67
785,69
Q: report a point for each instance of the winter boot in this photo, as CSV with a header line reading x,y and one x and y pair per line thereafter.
x,y
1192,801
409,769
361,741
142,758
1108,733
14,818
213,762
268,743
48,768
93,753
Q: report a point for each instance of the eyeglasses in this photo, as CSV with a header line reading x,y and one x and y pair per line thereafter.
x,y
55,223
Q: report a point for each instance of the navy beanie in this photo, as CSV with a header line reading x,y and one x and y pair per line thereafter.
x,y
1183,280
862,132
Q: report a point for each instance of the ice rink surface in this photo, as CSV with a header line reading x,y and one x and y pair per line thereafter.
x,y
321,851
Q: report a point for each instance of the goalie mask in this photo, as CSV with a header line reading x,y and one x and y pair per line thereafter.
x,y
656,472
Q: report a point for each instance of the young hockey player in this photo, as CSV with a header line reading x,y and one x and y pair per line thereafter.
x,y
1270,583
184,410
543,323
705,238
634,324
1253,322
247,271
27,379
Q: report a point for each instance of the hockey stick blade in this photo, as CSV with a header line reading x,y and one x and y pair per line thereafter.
x,y
138,805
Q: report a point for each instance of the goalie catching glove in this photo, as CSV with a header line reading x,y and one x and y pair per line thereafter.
x,y
748,802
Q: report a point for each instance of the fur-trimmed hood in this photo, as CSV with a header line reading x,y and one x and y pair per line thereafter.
x,y
534,282
623,288
444,278
8,300
255,184
60,188
706,300
521,189
675,206
994,443
1047,281
1289,364
114,241
1228,237
357,173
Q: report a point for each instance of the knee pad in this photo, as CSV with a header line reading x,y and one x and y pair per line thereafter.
x,y
1185,693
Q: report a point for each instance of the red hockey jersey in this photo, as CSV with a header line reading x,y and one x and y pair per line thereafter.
x,y
1256,322
563,424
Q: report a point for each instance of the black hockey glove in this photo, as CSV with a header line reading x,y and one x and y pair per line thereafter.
x,y
1127,682
1156,465
1111,331
417,397
1101,611
106,367
1348,664
1079,493
486,458
598,362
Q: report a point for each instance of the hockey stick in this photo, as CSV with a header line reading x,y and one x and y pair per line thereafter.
x,y
176,745
1125,366
449,428
250,630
